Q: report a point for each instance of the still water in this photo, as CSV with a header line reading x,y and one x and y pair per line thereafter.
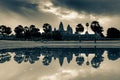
x,y
60,64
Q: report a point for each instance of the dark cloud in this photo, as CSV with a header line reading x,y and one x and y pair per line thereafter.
x,y
17,6
91,6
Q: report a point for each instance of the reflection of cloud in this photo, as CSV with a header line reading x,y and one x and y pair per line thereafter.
x,y
109,70
61,75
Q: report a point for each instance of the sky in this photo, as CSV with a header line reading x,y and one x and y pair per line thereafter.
x,y
38,12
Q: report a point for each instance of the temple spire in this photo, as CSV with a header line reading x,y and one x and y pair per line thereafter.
x,y
61,27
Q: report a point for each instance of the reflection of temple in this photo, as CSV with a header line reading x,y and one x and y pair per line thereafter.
x,y
32,55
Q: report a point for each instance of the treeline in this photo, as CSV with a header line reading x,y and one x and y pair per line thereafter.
x,y
32,32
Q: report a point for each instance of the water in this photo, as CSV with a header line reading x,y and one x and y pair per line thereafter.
x,y
60,64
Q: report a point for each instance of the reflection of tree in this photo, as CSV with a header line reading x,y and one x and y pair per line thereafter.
x,y
18,58
113,54
47,60
96,61
98,58
26,56
87,55
80,60
4,57
32,55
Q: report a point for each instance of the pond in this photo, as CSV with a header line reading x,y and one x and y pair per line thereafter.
x,y
60,64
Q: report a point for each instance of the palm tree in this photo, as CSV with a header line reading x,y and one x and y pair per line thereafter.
x,y
87,25
79,28
96,28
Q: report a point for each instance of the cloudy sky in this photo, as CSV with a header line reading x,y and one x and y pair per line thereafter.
x,y
38,12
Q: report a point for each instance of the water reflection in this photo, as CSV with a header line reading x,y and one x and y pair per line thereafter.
x,y
32,55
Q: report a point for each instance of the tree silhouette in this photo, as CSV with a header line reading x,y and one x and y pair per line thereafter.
x,y
34,32
31,32
79,28
2,29
47,31
19,31
47,28
8,30
5,30
96,28
113,33
87,25
26,32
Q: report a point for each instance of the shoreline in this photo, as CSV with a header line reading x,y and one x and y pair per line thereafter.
x,y
8,44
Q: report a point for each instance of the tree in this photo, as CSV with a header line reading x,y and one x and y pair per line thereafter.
x,y
96,28
5,30
79,28
47,28
27,32
34,32
8,30
19,31
2,29
87,25
113,33
47,31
